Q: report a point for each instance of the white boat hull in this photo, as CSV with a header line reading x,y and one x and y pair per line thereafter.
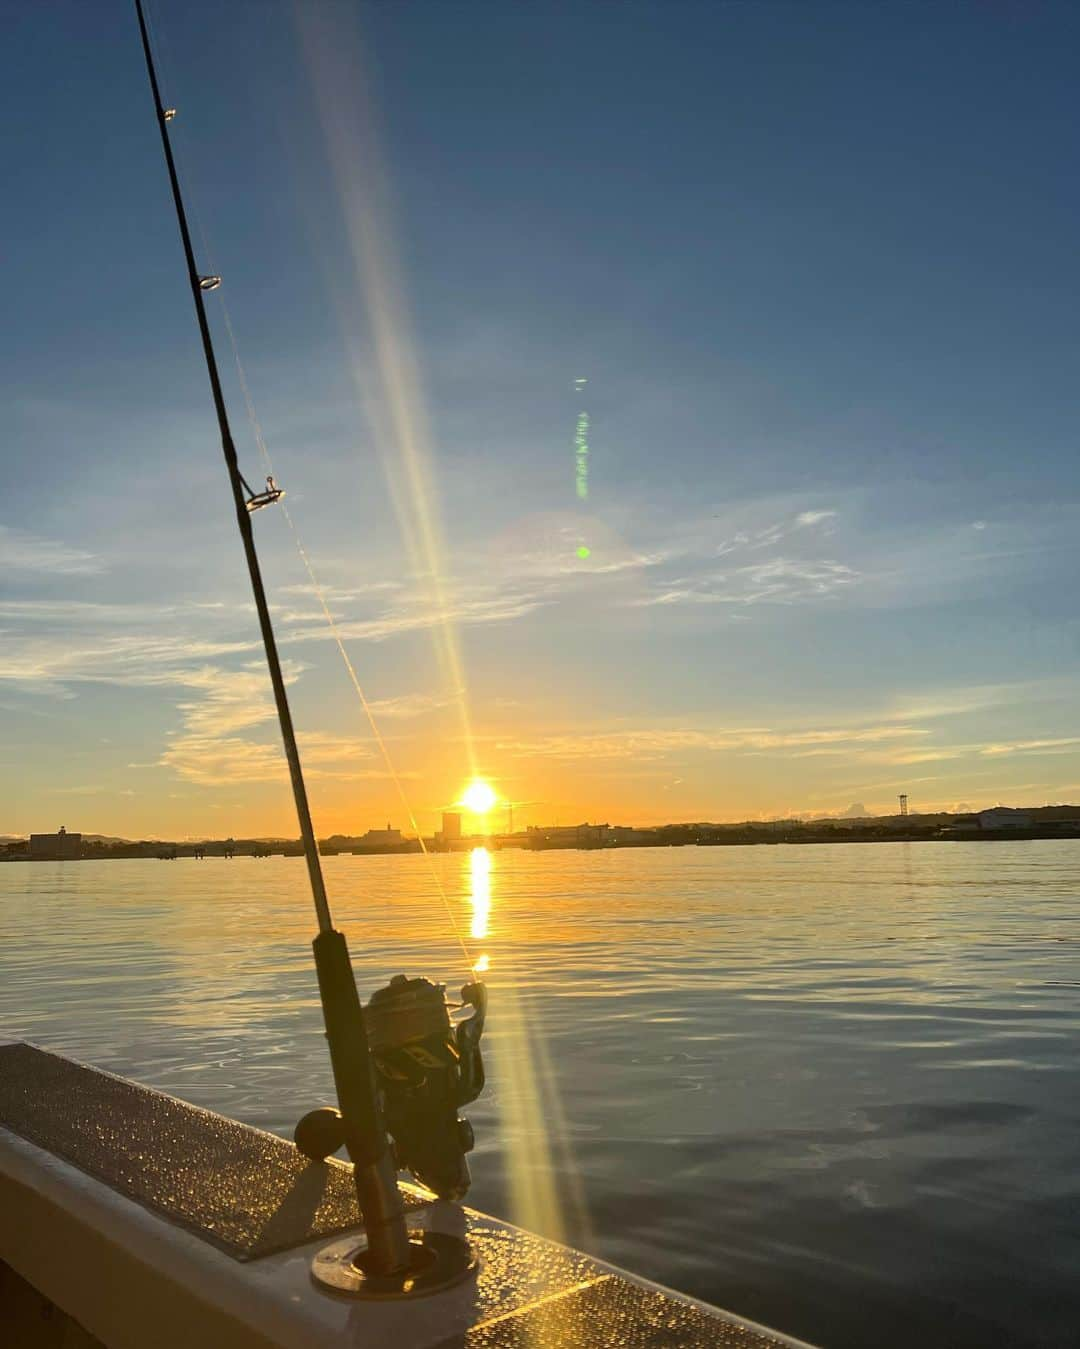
x,y
137,1224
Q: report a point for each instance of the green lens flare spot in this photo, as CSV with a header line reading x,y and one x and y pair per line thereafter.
x,y
583,552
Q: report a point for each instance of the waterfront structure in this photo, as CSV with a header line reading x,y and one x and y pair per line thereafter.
x,y
381,838
55,846
451,826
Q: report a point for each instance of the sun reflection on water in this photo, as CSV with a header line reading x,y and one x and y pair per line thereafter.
x,y
480,873
542,1166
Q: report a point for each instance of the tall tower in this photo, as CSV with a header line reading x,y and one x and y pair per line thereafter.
x,y
903,803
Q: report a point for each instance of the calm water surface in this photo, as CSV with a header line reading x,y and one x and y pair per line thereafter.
x,y
833,1088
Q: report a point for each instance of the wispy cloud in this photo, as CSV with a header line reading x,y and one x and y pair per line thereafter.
x,y
23,551
1059,745
938,704
220,761
795,572
45,663
336,594
648,742
417,616
409,705
226,713
974,750
778,581
209,749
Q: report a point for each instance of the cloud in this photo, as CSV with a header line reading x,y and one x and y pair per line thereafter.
x,y
554,556
774,552
226,713
975,749
216,704
1059,745
341,594
931,704
209,750
228,760
418,616
227,731
755,560
45,667
409,705
302,615
23,551
784,580
777,581
44,663
916,756
210,761
651,743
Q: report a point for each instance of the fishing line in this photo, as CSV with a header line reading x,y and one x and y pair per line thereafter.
x,y
253,419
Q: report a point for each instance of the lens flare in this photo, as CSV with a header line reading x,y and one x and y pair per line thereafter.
x,y
381,349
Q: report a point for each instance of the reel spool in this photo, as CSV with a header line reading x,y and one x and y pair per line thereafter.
x,y
426,1068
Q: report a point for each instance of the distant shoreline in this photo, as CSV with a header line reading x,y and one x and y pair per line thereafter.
x,y
735,838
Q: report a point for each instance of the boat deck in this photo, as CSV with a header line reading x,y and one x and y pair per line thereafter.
x,y
127,1208
246,1192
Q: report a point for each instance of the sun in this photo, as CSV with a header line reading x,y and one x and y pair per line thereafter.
x,y
478,797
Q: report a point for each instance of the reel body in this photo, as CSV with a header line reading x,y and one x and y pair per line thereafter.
x,y
426,1068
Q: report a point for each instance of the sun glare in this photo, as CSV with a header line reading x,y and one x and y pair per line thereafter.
x,y
478,797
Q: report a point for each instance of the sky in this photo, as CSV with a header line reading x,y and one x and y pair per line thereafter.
x,y
816,265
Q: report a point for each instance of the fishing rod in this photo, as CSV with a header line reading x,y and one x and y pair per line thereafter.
x,y
410,1058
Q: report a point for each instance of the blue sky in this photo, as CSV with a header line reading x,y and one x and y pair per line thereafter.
x,y
817,264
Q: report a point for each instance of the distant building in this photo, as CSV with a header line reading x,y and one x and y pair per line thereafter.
x,y
567,836
58,845
451,826
621,835
1004,817
381,838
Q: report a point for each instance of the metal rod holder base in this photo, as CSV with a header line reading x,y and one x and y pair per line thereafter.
x,y
436,1261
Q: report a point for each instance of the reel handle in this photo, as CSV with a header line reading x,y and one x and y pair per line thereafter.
x,y
467,1037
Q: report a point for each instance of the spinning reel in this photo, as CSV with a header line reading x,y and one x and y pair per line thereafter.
x,y
426,1068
